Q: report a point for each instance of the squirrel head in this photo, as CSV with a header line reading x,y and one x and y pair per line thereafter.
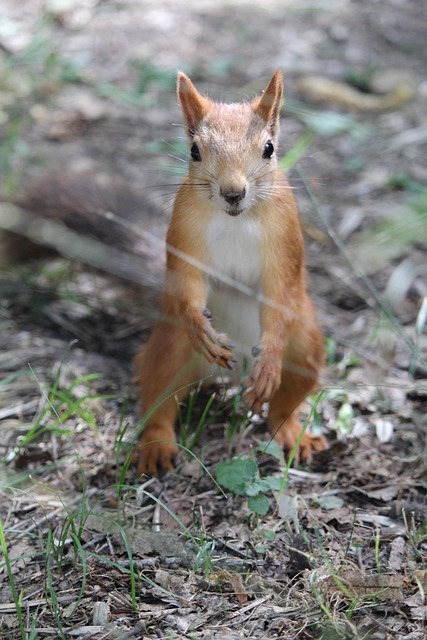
x,y
232,146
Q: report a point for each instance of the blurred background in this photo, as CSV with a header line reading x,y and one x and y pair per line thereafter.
x,y
92,150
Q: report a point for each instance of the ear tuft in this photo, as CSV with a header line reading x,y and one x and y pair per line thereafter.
x,y
269,104
194,106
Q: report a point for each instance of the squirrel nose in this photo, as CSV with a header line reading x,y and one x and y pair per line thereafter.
x,y
233,196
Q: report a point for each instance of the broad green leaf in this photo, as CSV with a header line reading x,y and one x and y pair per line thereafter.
x,y
235,474
259,504
258,486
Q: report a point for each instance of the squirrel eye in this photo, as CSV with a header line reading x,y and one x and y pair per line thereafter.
x,y
195,152
268,150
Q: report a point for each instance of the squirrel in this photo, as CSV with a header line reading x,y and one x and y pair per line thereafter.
x,y
235,284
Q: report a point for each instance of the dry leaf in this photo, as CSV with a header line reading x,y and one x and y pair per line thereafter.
x,y
236,582
397,552
357,584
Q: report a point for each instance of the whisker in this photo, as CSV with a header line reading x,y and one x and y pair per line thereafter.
x,y
255,169
177,158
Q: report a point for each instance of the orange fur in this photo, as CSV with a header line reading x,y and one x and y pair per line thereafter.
x,y
234,244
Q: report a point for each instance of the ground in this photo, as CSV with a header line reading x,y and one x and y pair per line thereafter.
x,y
89,549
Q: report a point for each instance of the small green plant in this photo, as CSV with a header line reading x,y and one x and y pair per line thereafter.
x,y
345,417
52,598
61,405
51,554
236,422
241,476
190,436
67,537
377,549
345,413
204,556
122,449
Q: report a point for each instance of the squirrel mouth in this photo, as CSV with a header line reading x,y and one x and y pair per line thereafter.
x,y
234,212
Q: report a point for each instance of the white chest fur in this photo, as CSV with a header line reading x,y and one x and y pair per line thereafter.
x,y
234,248
234,252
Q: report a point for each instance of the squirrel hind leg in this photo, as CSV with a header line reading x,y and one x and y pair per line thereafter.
x,y
156,451
286,431
303,361
166,368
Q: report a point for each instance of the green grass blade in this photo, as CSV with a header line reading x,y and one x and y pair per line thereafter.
x,y
15,596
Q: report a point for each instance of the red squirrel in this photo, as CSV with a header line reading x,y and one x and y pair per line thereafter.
x,y
235,283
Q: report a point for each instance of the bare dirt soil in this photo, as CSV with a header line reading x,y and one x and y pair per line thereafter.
x,y
87,89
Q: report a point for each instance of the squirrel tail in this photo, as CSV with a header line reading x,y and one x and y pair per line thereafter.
x,y
86,213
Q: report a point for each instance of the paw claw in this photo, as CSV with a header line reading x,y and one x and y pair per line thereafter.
x,y
217,352
261,385
256,350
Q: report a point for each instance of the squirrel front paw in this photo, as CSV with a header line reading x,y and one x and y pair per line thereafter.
x,y
259,387
214,346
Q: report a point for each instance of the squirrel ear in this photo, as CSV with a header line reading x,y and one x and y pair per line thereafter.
x,y
268,105
194,106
